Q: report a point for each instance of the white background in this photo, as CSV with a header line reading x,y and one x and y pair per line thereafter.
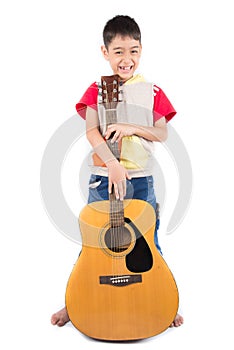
x,y
50,53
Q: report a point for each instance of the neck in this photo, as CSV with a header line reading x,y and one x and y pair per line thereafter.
x,y
116,211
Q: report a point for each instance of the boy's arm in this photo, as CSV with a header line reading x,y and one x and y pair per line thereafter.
x,y
117,174
158,132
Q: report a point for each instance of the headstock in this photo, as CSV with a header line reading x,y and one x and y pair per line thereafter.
x,y
110,90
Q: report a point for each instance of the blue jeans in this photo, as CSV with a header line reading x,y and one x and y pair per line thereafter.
x,y
137,188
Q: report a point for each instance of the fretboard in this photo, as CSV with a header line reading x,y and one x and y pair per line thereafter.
x,y
111,118
110,98
116,211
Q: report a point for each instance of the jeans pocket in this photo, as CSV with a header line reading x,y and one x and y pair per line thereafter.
x,y
94,181
94,184
98,188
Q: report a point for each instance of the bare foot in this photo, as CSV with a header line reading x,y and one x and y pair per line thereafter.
x,y
178,321
60,318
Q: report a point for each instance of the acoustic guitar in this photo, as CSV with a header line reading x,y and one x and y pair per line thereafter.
x,y
120,287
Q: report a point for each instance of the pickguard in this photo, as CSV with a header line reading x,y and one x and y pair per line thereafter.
x,y
140,258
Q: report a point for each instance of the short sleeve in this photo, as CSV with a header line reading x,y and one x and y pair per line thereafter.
x,y
162,106
88,99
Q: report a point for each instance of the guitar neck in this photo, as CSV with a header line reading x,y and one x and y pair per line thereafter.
x,y
111,118
110,98
116,211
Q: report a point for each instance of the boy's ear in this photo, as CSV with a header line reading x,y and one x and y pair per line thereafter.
x,y
105,52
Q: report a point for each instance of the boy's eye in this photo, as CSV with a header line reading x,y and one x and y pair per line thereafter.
x,y
134,51
118,52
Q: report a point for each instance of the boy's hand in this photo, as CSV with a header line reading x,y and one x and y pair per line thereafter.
x,y
120,131
117,175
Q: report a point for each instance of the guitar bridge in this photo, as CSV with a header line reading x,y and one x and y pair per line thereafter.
x,y
120,281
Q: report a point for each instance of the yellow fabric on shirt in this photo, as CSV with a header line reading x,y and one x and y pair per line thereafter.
x,y
133,154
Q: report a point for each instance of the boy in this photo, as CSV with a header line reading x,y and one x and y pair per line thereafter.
x,y
135,130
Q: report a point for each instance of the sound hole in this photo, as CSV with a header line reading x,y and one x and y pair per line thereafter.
x,y
118,239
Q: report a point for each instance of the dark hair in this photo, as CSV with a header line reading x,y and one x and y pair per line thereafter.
x,y
123,26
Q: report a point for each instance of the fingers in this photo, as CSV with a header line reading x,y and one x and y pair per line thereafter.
x,y
116,189
122,189
110,186
119,189
117,176
119,131
109,131
117,134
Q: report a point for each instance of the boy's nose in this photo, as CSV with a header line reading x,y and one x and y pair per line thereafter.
x,y
127,58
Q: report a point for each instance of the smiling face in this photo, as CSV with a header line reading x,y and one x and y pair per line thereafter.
x,y
123,54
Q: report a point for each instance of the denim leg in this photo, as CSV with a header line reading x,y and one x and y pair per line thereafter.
x,y
143,188
98,188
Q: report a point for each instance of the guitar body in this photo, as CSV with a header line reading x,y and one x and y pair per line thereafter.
x,y
124,292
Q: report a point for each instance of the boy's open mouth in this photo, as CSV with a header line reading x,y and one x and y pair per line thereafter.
x,y
126,68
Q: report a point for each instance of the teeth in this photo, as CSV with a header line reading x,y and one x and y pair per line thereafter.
x,y
125,68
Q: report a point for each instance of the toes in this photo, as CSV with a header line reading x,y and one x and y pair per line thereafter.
x,y
60,318
54,319
58,321
61,323
178,321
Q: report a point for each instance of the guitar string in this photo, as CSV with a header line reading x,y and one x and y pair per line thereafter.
x,y
116,224
112,238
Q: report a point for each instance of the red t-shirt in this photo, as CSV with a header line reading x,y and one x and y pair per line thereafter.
x,y
162,105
